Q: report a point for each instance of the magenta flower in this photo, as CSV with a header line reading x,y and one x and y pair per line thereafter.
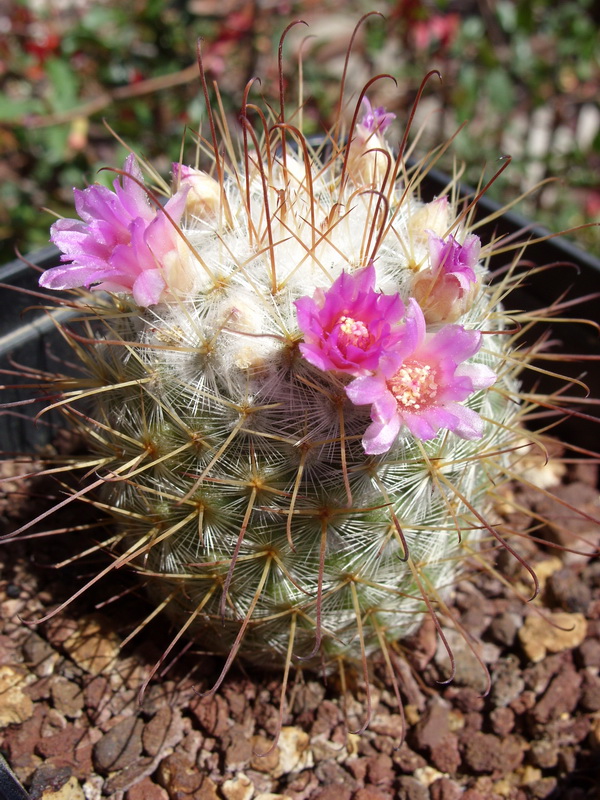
x,y
376,119
454,259
121,243
422,384
350,327
446,289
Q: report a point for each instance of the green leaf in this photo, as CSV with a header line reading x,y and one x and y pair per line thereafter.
x,y
501,91
65,84
13,109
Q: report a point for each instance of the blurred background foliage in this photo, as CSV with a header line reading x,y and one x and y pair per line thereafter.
x,y
524,73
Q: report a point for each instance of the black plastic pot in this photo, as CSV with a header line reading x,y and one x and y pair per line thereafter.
x,y
28,337
28,332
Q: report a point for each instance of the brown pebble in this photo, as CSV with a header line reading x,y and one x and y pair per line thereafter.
x,y
422,645
561,696
370,793
503,720
146,789
212,714
503,629
445,755
329,716
464,698
47,779
129,776
358,767
590,692
411,789
472,722
59,743
156,730
332,793
331,773
53,722
385,744
67,697
178,775
300,787
433,725
238,749
588,653
538,676
40,690
40,656
507,681
523,703
380,769
387,725
542,788
445,789
20,740
566,590
543,753
488,753
96,692
120,746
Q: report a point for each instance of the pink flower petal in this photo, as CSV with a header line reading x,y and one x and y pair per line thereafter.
x,y
349,327
375,119
481,376
469,424
380,436
419,426
363,391
148,287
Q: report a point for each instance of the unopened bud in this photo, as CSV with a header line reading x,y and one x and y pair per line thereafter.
x,y
432,217
204,194
447,288
366,166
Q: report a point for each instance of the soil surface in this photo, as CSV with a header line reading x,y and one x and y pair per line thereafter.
x,y
72,724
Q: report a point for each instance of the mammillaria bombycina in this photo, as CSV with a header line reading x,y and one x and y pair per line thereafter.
x,y
302,392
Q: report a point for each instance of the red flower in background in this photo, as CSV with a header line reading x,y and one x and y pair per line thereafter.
x,y
439,30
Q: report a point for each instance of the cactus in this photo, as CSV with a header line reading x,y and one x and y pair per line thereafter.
x,y
301,390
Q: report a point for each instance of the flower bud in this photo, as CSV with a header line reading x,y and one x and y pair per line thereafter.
x,y
367,167
204,194
447,288
433,217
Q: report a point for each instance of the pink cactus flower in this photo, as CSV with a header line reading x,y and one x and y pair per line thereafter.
x,y
375,120
120,244
446,289
350,327
451,258
422,385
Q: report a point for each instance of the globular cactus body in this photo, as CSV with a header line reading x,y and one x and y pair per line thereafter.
x,y
302,394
